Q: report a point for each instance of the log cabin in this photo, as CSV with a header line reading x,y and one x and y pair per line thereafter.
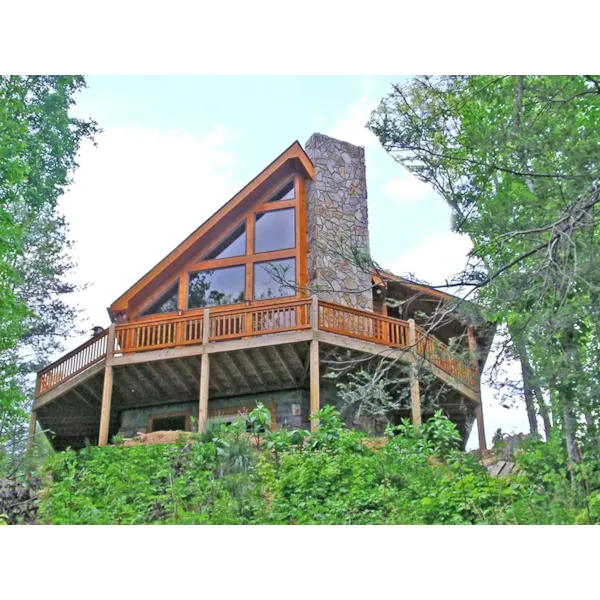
x,y
256,305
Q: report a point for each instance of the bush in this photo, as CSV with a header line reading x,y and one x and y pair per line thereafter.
x,y
329,476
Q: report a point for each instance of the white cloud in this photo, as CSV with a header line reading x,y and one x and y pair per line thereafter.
x,y
434,259
351,126
407,189
135,197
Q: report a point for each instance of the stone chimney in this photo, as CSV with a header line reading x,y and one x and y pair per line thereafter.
x,y
337,222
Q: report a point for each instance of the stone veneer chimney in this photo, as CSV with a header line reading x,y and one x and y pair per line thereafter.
x,y
337,221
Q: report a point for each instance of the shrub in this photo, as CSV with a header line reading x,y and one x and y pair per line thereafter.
x,y
329,476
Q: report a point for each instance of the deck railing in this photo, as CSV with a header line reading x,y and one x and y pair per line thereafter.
x,y
363,325
76,361
168,333
280,317
439,354
251,321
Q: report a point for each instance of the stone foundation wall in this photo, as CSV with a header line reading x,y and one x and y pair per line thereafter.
x,y
337,222
292,409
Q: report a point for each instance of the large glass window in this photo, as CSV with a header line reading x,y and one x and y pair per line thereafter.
x,y
166,303
274,279
233,245
216,286
285,193
274,230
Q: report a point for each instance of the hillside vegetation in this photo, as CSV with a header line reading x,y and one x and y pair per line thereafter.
x,y
331,476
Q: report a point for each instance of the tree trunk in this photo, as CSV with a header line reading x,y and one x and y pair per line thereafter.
x,y
569,429
527,388
544,411
567,397
528,391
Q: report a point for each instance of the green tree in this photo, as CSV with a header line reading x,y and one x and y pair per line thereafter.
x,y
517,160
39,142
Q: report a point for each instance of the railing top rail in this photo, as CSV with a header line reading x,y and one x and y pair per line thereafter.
x,y
73,352
365,313
196,316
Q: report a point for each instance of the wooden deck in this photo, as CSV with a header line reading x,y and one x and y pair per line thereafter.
x,y
250,322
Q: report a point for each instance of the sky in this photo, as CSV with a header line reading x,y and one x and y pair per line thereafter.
x,y
174,149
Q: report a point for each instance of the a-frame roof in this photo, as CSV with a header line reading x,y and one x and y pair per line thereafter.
x,y
293,160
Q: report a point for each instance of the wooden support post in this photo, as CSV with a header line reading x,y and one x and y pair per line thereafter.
x,y
480,428
415,395
314,312
479,407
204,380
107,388
472,346
314,382
31,433
204,374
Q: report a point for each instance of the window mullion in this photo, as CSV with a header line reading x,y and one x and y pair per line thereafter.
x,y
249,252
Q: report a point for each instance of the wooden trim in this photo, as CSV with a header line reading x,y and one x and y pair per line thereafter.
x,y
194,265
183,288
151,418
238,261
301,241
249,248
279,205
275,189
294,154
415,286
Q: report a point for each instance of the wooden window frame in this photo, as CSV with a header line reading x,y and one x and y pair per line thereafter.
x,y
299,252
201,308
260,262
262,212
270,200
221,240
187,414
235,410
154,298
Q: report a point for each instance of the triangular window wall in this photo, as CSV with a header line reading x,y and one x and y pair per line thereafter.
x,y
233,245
166,303
285,193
